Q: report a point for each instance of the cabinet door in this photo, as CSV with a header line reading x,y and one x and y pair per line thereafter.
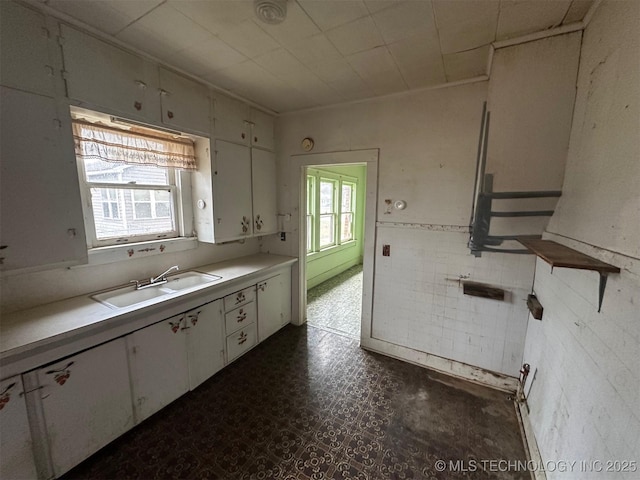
x,y
86,401
231,120
159,370
262,130
205,342
24,55
270,314
263,180
103,75
40,208
185,103
15,437
232,204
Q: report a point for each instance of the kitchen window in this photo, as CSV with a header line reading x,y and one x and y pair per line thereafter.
x,y
132,181
331,210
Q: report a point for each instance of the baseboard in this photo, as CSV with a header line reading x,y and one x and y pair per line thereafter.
x,y
444,365
531,445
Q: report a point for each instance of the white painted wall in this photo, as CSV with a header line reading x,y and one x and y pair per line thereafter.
x,y
428,144
585,398
25,290
532,90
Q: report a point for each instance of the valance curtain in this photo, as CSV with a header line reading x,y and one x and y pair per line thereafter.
x,y
114,145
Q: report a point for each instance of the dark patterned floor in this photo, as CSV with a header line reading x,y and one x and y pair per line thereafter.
x,y
309,404
336,305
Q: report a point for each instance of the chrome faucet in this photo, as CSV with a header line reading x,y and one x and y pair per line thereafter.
x,y
153,281
163,275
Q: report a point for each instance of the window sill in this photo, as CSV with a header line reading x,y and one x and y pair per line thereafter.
x,y
331,250
118,253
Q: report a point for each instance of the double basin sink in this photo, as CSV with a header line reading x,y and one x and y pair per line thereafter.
x,y
129,296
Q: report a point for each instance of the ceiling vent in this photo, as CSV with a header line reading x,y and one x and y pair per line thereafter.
x,y
271,11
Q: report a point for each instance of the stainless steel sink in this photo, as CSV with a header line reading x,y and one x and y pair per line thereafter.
x,y
129,296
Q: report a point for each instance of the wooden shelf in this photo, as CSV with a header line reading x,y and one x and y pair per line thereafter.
x,y
560,256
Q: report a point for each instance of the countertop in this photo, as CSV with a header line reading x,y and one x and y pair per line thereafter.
x,y
51,326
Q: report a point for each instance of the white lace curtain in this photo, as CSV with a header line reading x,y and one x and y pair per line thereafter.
x,y
114,145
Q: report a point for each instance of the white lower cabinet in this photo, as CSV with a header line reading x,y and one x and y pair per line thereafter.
x,y
205,342
86,402
171,357
240,322
159,369
274,304
16,450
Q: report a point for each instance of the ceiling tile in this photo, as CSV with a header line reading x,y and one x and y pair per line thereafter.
x,y
405,20
376,5
314,50
520,17
205,57
577,11
163,32
213,15
378,69
109,16
465,24
357,36
297,25
248,38
328,14
419,60
463,65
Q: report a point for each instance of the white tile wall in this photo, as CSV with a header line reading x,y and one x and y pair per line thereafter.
x,y
418,302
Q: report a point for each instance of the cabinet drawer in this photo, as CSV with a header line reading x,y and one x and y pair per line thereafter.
x,y
240,317
241,341
239,298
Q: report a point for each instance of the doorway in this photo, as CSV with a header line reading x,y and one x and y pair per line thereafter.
x,y
364,158
335,211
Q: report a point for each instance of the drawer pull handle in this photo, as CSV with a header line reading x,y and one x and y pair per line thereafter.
x,y
242,318
175,326
242,341
240,298
242,338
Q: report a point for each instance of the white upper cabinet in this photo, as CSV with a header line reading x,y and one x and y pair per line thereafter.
x,y
15,437
262,130
104,76
26,63
231,120
41,219
263,181
86,400
185,103
232,192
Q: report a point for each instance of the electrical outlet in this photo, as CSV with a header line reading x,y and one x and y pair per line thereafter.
x,y
386,250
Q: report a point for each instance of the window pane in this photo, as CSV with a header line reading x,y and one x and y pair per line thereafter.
x,y
143,210
128,217
142,195
122,173
326,196
346,227
163,209
309,233
347,195
327,230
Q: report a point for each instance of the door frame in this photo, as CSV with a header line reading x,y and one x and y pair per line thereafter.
x,y
369,158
